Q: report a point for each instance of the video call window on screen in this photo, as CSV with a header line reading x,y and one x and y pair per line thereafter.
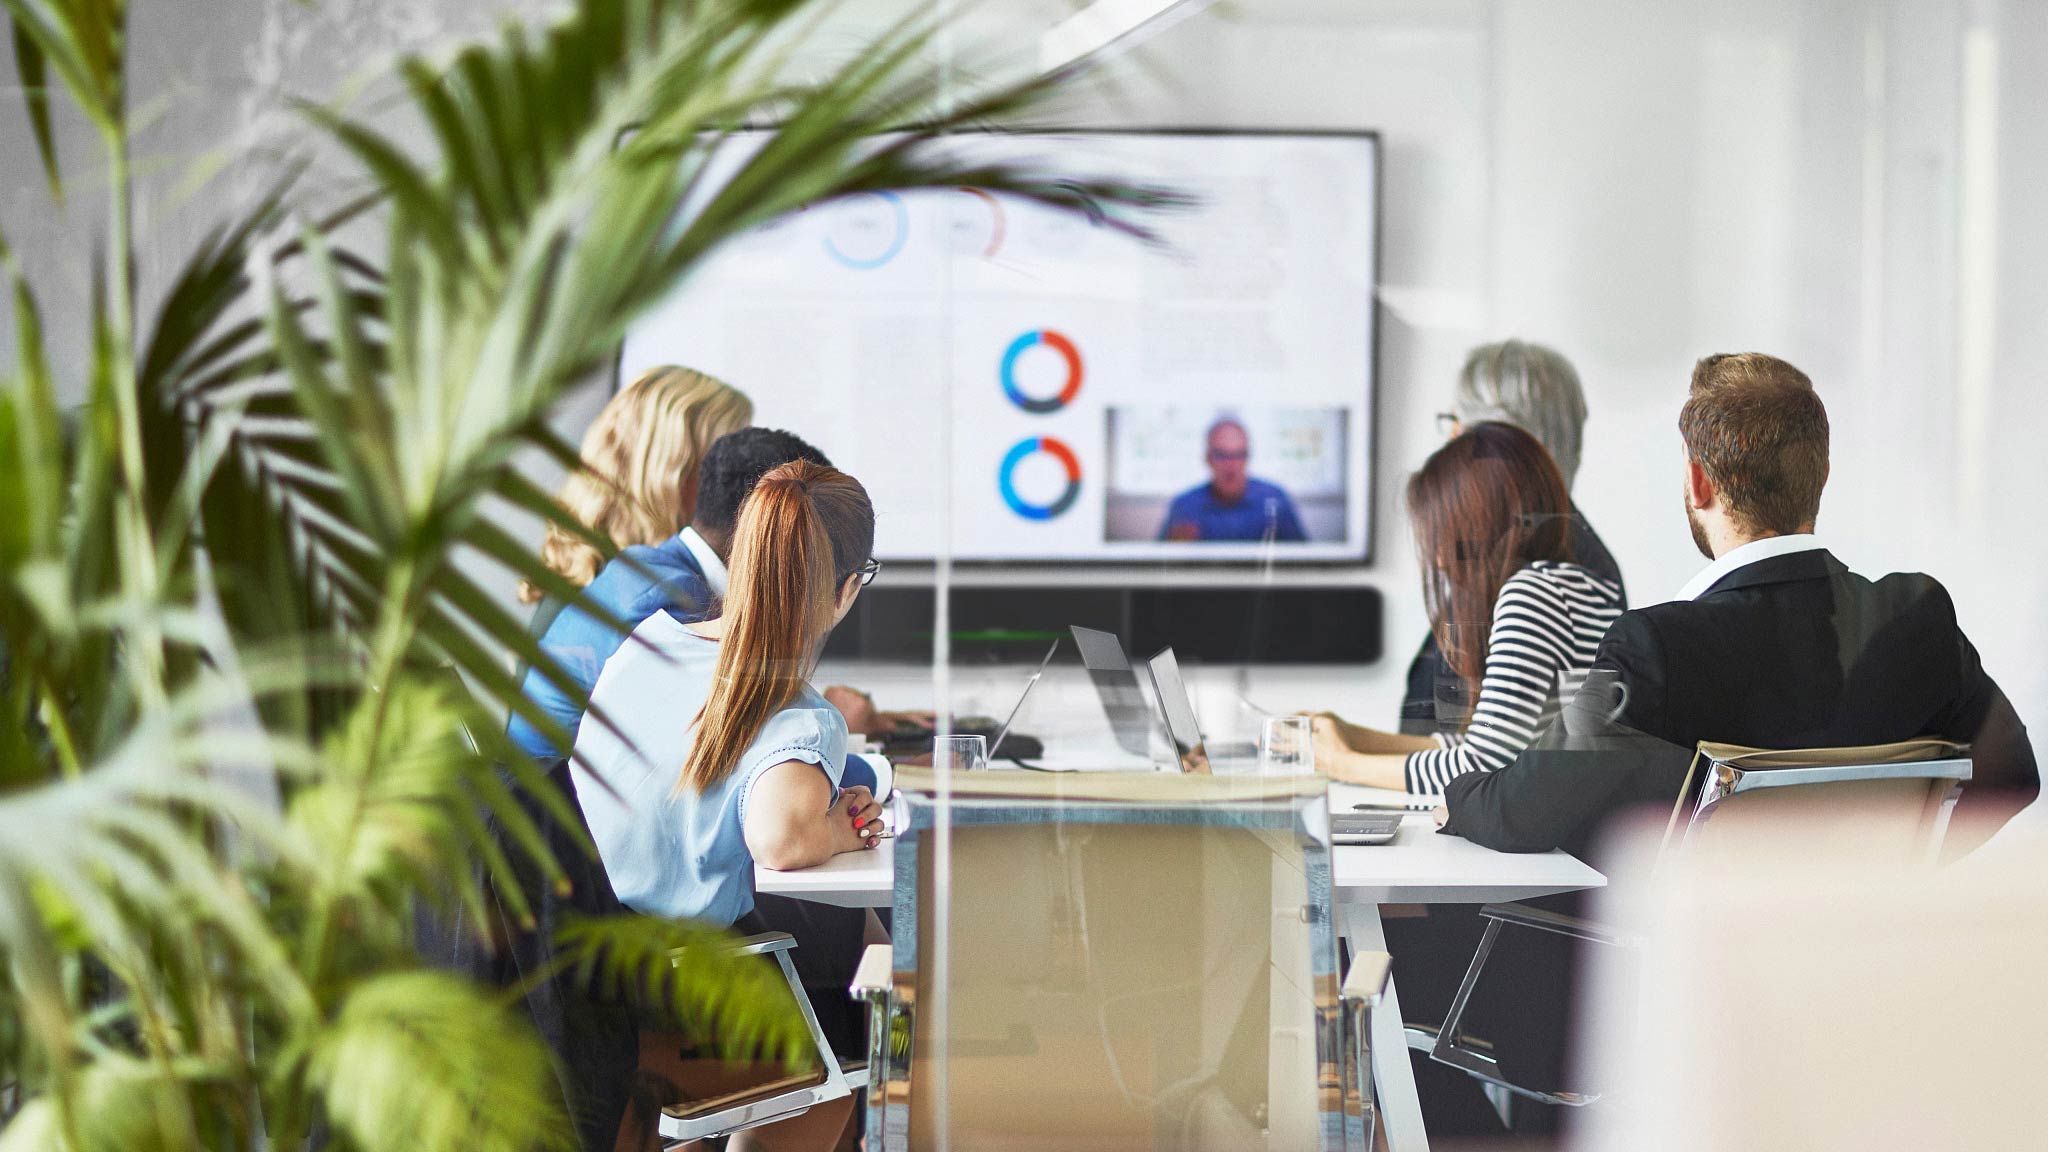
x,y
1018,384
1226,475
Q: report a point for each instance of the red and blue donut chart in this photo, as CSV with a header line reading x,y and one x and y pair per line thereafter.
x,y
1039,406
1023,450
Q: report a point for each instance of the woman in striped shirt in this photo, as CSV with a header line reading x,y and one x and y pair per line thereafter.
x,y
1518,622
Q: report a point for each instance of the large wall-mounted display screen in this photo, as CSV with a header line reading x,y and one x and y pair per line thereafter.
x,y
1017,384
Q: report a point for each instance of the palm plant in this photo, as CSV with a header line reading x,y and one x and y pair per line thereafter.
x,y
251,691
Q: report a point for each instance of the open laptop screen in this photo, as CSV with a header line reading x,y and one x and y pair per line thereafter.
x,y
1130,715
1175,703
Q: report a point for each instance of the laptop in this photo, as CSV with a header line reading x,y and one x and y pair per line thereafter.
x,y
1006,745
1178,708
1135,716
995,746
1131,716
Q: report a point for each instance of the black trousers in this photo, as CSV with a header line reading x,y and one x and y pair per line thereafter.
x,y
828,947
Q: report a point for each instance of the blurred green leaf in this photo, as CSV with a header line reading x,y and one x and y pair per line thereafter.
x,y
253,677
85,41
419,1060
690,975
34,74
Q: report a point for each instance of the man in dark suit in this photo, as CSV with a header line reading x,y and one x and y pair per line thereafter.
x,y
1775,645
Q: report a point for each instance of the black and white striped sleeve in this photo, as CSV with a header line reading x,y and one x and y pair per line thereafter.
x,y
1531,643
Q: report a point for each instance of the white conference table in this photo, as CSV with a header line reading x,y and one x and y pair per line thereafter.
x,y
1419,867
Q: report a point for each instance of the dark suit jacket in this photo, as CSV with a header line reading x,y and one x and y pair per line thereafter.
x,y
1794,651
1436,694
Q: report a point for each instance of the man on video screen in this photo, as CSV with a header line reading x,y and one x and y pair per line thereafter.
x,y
1234,504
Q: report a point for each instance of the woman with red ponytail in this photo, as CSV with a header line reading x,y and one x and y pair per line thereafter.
x,y
715,752
707,750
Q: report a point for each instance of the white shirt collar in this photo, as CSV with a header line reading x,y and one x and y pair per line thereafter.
x,y
1744,556
714,568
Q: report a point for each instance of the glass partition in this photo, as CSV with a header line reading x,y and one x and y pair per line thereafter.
x,y
1193,425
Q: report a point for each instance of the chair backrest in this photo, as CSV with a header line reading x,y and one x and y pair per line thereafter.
x,y
594,1039
1787,1004
1872,802
1120,962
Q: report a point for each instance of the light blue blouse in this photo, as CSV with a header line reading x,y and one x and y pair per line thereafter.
x,y
681,855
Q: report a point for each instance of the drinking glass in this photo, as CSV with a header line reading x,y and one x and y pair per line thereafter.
x,y
1287,747
959,753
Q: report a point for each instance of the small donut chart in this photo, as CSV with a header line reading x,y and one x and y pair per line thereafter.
x,y
868,231
1025,449
1041,405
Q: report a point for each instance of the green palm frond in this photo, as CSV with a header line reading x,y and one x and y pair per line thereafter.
x,y
36,587
689,975
121,1103
502,290
424,1060
407,792
107,865
84,43
252,682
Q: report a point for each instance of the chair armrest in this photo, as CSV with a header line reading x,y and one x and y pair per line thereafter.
x,y
1545,921
874,983
764,942
875,975
759,944
1367,980
754,1106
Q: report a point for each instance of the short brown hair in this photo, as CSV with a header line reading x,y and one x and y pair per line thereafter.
x,y
1757,427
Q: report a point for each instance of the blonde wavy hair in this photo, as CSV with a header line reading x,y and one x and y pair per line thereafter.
x,y
638,483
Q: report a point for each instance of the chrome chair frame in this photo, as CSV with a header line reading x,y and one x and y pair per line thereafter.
x,y
701,1120
1728,776
887,977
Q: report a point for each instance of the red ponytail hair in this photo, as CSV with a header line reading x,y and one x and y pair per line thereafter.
x,y
802,531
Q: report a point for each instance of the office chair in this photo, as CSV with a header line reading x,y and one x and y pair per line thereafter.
x,y
594,1037
778,1099
1111,961
1882,803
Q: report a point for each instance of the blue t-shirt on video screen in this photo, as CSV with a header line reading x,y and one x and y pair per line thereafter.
x,y
1198,515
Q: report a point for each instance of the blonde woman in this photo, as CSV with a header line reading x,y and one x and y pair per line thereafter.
x,y
638,484
641,469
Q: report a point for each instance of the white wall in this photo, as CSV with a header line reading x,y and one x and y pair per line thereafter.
x,y
1851,185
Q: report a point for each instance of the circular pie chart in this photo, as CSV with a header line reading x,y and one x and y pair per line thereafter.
x,y
1040,405
1025,449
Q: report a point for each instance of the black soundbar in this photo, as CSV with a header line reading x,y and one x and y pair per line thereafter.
x,y
991,625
